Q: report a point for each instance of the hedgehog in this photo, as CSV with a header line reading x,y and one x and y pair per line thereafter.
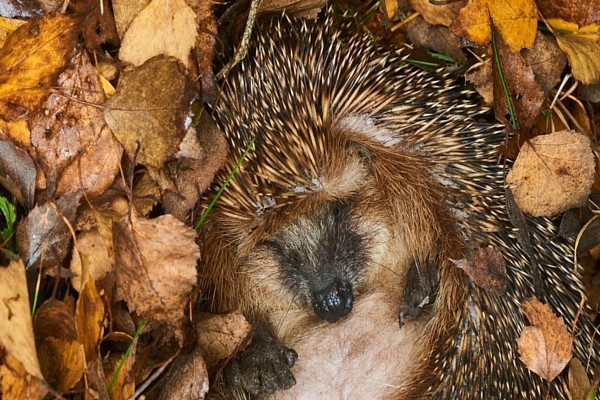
x,y
365,177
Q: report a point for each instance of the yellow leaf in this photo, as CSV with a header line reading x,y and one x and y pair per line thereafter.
x,y
515,20
31,60
582,48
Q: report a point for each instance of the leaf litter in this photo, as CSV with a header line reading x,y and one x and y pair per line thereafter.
x,y
105,149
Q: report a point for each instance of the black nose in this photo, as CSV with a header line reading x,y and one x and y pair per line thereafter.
x,y
333,302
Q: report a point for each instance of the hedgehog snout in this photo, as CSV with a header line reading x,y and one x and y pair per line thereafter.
x,y
333,302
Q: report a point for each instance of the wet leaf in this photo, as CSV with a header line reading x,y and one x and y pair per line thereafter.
x,y
72,140
43,235
31,60
17,173
61,354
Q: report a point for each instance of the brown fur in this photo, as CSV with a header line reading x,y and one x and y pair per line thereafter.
x,y
395,195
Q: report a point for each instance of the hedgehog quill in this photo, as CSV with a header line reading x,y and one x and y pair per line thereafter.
x,y
335,237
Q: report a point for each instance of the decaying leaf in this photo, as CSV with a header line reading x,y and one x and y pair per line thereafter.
x,y
582,12
93,257
60,353
157,265
72,141
438,14
150,109
485,267
163,27
17,172
43,235
187,378
546,60
220,336
516,21
546,347
552,173
30,61
16,336
525,92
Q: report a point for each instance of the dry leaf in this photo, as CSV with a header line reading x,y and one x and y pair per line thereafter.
x,y
546,347
583,51
90,320
16,335
92,256
43,236
17,173
526,95
582,12
157,266
16,382
186,378
438,14
546,60
31,60
72,141
61,355
579,383
485,267
150,108
515,20
220,336
163,27
552,173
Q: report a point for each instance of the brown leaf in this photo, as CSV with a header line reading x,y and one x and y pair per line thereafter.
x,y
72,141
582,12
546,60
579,383
61,355
30,61
187,378
17,173
157,266
220,336
182,180
16,335
43,236
525,93
436,14
150,108
546,347
163,27
92,257
552,173
485,267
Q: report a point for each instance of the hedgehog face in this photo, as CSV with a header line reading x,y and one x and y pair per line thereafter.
x,y
320,258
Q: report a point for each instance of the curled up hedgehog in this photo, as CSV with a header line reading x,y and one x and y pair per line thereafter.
x,y
336,236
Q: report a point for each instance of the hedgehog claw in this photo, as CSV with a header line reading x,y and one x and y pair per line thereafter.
x,y
263,368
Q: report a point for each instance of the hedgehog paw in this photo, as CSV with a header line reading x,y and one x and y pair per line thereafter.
x,y
263,368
